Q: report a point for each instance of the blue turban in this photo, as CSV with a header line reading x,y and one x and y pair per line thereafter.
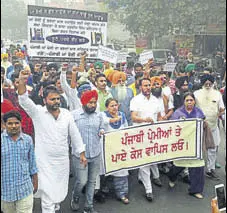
x,y
82,88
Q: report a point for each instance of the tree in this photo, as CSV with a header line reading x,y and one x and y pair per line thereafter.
x,y
152,18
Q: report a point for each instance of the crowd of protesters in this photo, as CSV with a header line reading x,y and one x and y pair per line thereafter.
x,y
56,114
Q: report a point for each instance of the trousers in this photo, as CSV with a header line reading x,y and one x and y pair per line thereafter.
x,y
24,205
145,176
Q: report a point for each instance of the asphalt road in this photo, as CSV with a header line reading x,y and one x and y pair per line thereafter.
x,y
166,200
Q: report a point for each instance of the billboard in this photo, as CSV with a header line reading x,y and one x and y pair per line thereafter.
x,y
59,35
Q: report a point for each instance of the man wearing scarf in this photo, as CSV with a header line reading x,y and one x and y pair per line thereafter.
x,y
91,127
211,103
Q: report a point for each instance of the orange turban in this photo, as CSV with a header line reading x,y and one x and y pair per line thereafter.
x,y
156,79
117,76
87,96
110,75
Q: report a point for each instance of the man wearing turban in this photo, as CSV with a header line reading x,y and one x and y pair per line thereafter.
x,y
122,93
181,84
91,127
7,65
166,110
210,101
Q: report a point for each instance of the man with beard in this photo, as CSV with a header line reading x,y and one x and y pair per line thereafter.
x,y
103,94
166,112
181,84
52,69
145,109
53,127
123,94
211,103
91,127
157,91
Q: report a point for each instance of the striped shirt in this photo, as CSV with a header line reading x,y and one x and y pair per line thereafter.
x,y
89,126
18,164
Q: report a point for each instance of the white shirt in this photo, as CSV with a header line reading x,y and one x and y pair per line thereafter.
x,y
72,94
145,108
162,106
52,147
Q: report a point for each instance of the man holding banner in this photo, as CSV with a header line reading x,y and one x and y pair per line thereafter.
x,y
145,109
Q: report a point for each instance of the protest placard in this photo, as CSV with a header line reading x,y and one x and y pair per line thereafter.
x,y
122,57
57,34
139,146
145,57
169,67
107,54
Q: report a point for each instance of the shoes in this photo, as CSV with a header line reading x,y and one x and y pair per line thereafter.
x,y
57,207
217,165
99,197
124,200
149,197
171,184
157,182
89,210
197,195
105,190
75,204
212,175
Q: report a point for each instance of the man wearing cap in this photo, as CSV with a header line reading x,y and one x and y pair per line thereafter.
x,y
91,127
211,103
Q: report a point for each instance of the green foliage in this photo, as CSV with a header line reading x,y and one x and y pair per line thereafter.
x,y
162,17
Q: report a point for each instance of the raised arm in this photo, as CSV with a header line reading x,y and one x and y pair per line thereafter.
x,y
25,102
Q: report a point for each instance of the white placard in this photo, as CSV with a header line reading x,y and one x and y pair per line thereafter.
x,y
145,57
169,67
107,54
122,57
57,34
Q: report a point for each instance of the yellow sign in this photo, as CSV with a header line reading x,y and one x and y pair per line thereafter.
x,y
138,146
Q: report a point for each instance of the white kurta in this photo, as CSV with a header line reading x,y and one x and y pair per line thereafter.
x,y
52,148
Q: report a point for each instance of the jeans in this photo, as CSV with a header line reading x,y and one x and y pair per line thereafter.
x,y
86,176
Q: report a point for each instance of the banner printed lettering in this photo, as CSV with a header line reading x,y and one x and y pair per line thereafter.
x,y
63,37
144,145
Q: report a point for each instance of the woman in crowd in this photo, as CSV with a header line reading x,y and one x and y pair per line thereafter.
x,y
115,120
196,167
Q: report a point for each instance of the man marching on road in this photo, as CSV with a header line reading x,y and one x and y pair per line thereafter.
x,y
18,167
53,125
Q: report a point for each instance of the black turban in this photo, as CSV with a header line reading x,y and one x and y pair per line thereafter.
x,y
205,78
180,81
